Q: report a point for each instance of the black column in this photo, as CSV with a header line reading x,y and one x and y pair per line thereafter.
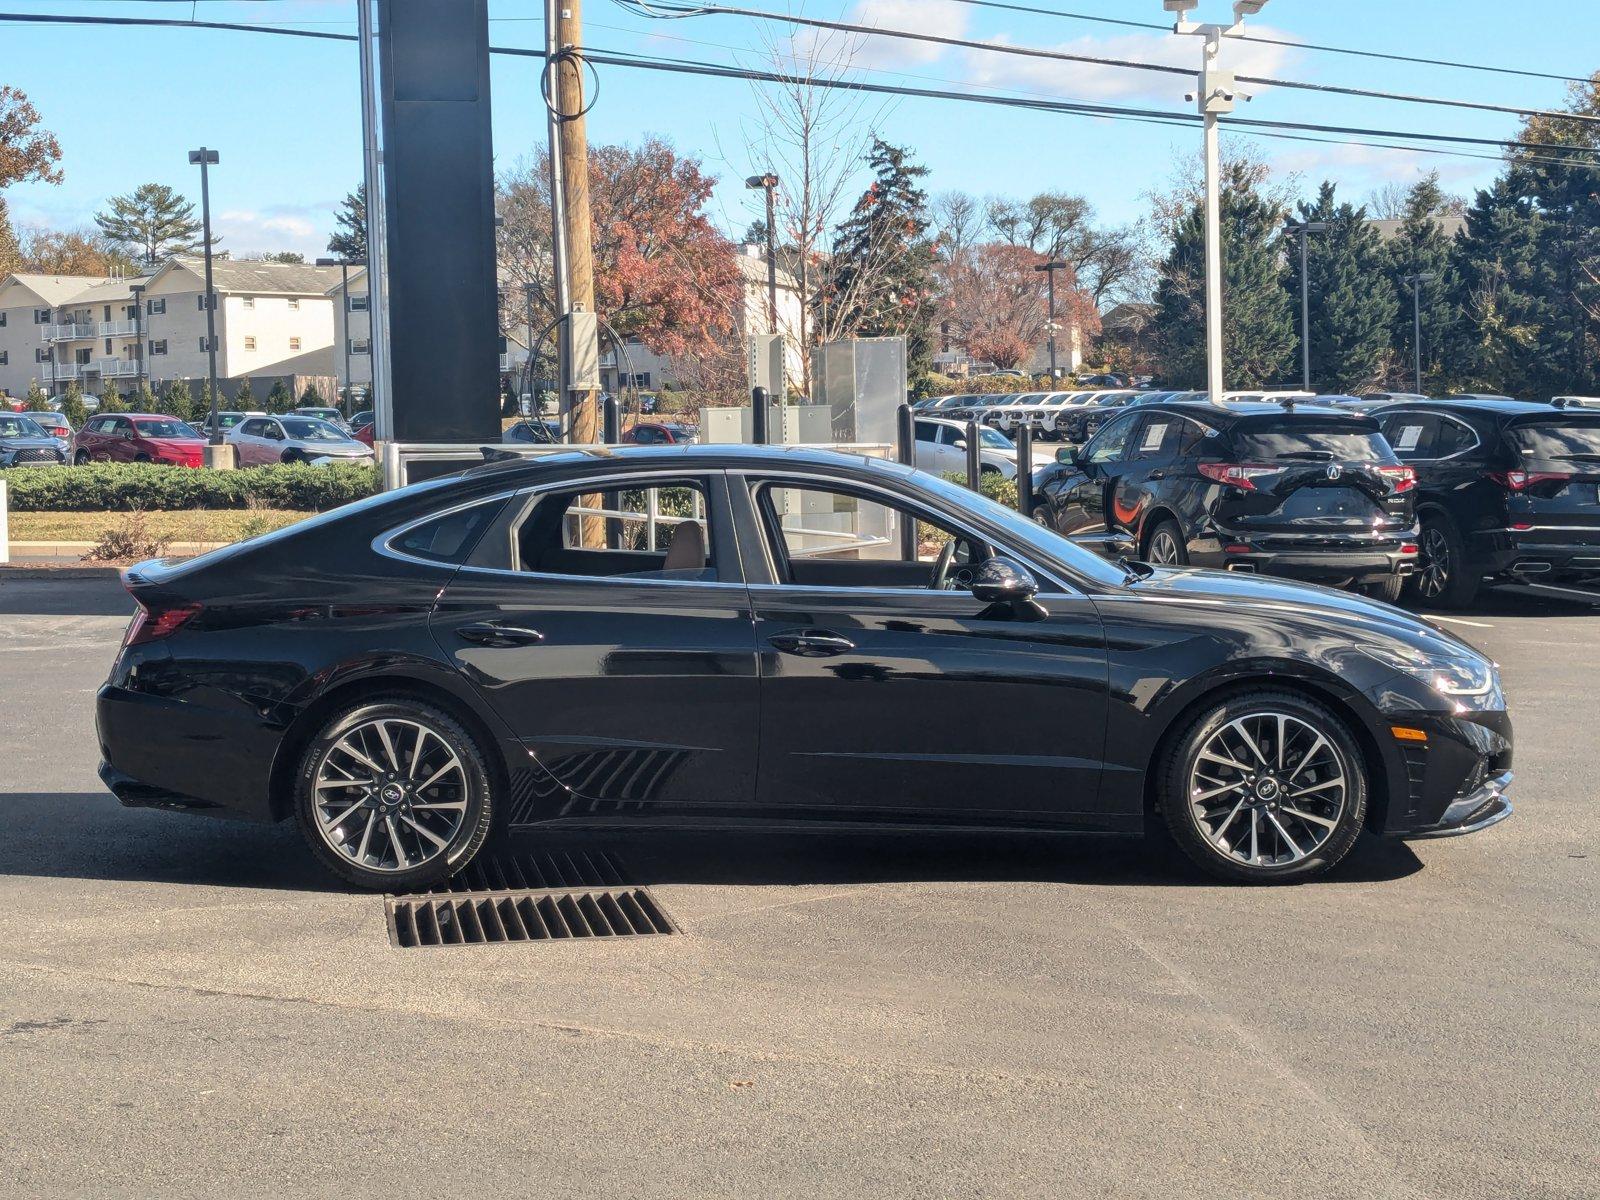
x,y
438,176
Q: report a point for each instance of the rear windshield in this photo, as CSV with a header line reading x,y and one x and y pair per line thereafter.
x,y
1557,441
1311,442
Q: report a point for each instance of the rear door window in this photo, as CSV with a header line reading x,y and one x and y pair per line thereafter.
x,y
1312,441
1411,435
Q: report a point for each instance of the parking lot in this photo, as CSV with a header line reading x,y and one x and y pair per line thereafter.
x,y
191,1006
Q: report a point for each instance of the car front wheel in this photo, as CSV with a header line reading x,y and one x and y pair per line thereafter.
x,y
393,795
1265,787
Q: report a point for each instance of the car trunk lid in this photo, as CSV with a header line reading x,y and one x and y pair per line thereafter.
x,y
1554,477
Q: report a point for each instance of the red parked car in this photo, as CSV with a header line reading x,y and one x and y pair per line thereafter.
x,y
659,433
138,437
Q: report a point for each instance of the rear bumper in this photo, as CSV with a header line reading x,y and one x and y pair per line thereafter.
x,y
1531,553
1302,557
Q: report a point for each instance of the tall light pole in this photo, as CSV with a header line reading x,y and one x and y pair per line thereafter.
x,y
344,298
204,159
1301,229
1214,98
1416,282
377,246
769,184
1050,269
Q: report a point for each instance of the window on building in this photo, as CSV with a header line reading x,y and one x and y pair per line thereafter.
x,y
82,357
360,346
249,343
108,345
107,317
158,347
5,358
2,320
155,307
358,303
294,343
200,302
41,316
43,356
294,305
249,301
130,311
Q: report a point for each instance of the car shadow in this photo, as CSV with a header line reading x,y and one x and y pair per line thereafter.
x,y
89,836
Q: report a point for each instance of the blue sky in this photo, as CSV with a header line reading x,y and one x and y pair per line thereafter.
x,y
128,103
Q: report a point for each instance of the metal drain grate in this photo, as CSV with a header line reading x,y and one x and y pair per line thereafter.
x,y
473,920
536,872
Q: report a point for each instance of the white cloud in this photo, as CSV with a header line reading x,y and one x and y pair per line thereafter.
x,y
1358,168
298,227
941,18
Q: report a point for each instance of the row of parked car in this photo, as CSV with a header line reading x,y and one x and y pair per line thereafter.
x,y
309,435
1381,492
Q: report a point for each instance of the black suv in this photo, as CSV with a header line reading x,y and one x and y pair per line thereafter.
x,y
1505,488
1289,489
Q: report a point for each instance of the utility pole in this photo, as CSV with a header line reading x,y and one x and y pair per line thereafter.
x,y
204,158
1050,269
578,225
1301,230
1416,282
1214,98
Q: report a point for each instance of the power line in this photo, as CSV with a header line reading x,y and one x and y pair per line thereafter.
x,y
669,10
1271,41
1563,155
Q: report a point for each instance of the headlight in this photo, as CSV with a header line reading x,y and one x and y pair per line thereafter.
x,y
1449,674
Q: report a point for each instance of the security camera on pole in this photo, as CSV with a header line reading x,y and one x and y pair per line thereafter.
x,y
1214,98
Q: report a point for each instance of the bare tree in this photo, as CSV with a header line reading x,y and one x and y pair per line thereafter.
x,y
813,137
957,223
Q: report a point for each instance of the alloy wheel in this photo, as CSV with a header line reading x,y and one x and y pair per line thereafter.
x,y
1268,789
1433,569
389,795
1163,549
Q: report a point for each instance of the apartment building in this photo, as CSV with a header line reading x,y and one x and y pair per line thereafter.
x,y
273,320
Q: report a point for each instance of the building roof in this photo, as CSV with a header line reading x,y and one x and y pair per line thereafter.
x,y
1130,317
54,289
1390,227
258,278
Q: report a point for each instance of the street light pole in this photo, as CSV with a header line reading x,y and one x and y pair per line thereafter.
x,y
1214,98
205,158
769,184
1301,229
1050,269
1416,282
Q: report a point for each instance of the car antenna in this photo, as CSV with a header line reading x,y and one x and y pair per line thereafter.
x,y
1287,402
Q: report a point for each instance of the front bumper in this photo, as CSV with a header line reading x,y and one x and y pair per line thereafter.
x,y
1480,808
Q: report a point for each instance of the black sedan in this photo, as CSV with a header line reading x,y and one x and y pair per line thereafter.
x,y
743,636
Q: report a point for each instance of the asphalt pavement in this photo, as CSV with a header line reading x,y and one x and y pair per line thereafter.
x,y
188,1006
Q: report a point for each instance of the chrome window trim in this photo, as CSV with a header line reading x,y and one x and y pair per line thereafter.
x,y
380,544
745,477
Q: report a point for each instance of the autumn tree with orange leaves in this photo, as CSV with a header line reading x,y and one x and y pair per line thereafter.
x,y
994,303
26,152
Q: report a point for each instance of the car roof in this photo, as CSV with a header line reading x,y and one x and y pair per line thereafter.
x,y
1488,408
682,456
1255,412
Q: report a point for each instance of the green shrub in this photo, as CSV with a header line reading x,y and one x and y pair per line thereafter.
x,y
101,487
991,484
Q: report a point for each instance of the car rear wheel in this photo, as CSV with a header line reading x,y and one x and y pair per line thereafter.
x,y
1443,575
393,795
1165,547
1265,787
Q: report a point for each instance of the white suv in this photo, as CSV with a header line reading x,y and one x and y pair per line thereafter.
x,y
942,447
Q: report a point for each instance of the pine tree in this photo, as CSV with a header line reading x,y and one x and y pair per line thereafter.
x,y
1258,327
1422,248
177,401
280,399
883,259
152,221
1352,307
1503,289
143,398
311,397
10,248
37,399
245,398
110,397
72,407
349,240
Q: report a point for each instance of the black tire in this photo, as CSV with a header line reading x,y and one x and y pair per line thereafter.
x,y
1166,533
290,456
461,845
144,458
1444,577
1180,817
1041,516
81,458
1390,589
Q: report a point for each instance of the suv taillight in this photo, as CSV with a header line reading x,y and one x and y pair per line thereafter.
x,y
1521,481
1240,475
1402,478
152,624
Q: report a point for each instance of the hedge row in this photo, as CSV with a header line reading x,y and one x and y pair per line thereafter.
x,y
101,487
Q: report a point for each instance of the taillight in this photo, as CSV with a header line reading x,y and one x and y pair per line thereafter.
x,y
1239,475
1521,481
1403,479
151,625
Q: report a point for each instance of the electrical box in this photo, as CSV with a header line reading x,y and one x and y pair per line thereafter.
x,y
862,381
765,365
583,344
794,425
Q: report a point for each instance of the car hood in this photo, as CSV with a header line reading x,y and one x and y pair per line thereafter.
x,y
1356,616
29,443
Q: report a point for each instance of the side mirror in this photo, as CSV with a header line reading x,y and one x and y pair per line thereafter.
x,y
1067,456
960,443
1004,581
1120,545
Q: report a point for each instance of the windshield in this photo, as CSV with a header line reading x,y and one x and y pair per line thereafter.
x,y
164,429
1313,442
308,429
1029,533
1557,441
990,436
20,427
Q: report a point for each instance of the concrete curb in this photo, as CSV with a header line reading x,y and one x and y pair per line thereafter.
x,y
44,571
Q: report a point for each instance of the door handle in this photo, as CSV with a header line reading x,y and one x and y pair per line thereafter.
x,y
488,633
811,643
